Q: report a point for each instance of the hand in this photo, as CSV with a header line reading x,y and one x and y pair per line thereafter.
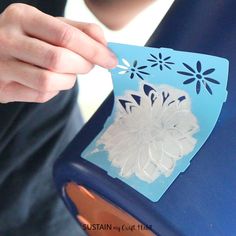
x,y
40,55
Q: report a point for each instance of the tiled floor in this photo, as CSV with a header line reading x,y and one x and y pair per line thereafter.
x,y
95,86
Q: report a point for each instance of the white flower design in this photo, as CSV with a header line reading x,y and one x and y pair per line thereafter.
x,y
154,127
134,71
126,67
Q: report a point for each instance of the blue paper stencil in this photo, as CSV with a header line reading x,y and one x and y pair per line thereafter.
x,y
166,105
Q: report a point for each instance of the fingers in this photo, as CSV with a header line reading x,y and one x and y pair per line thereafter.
x,y
47,56
93,30
35,78
56,32
20,82
15,92
40,54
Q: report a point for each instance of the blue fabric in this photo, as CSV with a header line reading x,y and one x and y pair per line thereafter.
x,y
30,143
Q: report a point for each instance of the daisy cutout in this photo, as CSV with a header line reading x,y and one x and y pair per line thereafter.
x,y
200,77
132,70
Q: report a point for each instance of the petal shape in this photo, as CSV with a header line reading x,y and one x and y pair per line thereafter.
x,y
189,68
185,73
156,152
198,87
166,58
143,156
207,87
125,62
151,60
136,98
143,72
172,148
187,144
140,76
199,66
155,64
153,56
188,81
167,165
151,172
148,173
127,169
122,67
209,71
148,88
167,66
212,80
124,103
123,72
142,67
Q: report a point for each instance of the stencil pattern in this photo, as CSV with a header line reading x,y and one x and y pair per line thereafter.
x,y
154,127
160,61
199,77
133,70
167,103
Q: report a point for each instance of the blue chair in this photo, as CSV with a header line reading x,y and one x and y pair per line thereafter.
x,y
202,200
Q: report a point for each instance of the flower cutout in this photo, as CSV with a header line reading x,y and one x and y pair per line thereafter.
x,y
160,61
153,128
132,70
199,77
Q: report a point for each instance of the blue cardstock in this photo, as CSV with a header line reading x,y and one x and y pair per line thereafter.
x,y
158,81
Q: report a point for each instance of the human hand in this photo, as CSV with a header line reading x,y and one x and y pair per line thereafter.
x,y
40,55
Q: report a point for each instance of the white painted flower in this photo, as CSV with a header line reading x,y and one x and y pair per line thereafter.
x,y
133,71
125,67
153,128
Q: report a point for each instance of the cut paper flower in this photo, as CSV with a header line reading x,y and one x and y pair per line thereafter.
x,y
133,70
160,61
199,77
153,128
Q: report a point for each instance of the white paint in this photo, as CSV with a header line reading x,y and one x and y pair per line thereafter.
x,y
147,139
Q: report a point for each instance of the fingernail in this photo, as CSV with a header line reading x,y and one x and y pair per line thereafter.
x,y
112,62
